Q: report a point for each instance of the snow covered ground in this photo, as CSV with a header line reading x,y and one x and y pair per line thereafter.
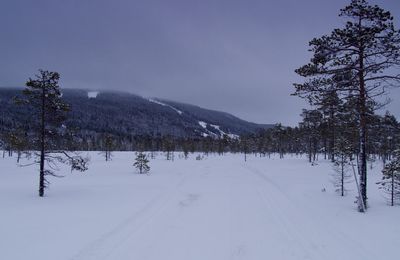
x,y
214,209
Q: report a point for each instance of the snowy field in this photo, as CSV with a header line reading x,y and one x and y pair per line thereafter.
x,y
214,209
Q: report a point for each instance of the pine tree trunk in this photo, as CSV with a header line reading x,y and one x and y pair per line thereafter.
x,y
363,125
332,148
363,163
363,138
342,179
42,147
392,191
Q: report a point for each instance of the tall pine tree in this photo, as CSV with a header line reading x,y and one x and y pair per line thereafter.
x,y
44,98
358,60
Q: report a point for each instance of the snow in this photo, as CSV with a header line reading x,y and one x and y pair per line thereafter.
x,y
217,208
166,105
92,94
218,128
203,124
222,133
207,133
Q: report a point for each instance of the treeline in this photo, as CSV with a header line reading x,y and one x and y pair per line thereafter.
x,y
317,135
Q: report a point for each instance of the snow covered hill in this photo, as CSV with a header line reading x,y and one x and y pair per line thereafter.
x,y
126,115
218,208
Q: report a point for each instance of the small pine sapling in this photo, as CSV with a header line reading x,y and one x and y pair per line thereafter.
x,y
141,163
185,149
199,157
342,162
108,147
390,182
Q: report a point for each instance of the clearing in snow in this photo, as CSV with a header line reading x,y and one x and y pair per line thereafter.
x,y
213,209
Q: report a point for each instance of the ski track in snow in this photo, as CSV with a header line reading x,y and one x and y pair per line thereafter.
x,y
110,241
166,105
304,237
292,238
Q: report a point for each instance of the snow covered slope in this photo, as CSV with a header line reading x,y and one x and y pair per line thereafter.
x,y
218,208
125,114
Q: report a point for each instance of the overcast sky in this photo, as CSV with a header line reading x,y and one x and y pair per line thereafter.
x,y
234,56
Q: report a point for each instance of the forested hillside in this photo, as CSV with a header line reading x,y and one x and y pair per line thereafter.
x,y
125,117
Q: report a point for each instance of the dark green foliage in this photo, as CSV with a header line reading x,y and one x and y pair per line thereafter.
x,y
168,146
312,124
43,98
343,159
108,146
141,163
14,140
390,183
130,120
358,61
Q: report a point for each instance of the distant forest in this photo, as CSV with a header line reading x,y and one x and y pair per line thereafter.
x,y
321,131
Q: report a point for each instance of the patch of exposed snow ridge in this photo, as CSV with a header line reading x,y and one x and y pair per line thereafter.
x,y
222,133
218,128
203,124
166,105
92,94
